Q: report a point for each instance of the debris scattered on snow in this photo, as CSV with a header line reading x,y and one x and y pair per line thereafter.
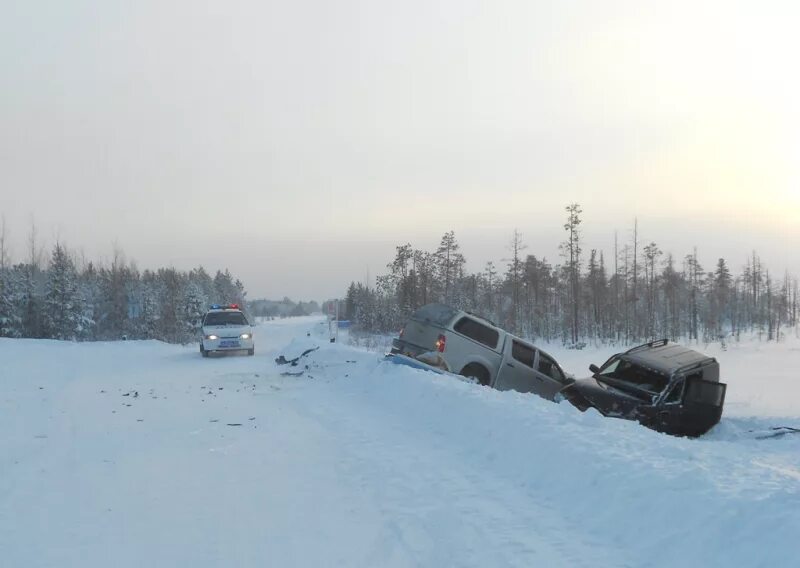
x,y
776,432
282,360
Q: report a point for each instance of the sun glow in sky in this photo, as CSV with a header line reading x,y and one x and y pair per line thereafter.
x,y
299,143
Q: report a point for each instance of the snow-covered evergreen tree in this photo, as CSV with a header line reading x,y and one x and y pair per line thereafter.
x,y
89,289
170,324
200,277
63,308
146,324
30,301
114,300
195,305
225,289
10,320
73,298
449,266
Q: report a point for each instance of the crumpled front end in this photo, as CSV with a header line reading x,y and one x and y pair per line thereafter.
x,y
589,393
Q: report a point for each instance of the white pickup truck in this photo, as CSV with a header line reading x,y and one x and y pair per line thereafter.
x,y
469,345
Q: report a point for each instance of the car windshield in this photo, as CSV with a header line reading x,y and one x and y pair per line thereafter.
x,y
622,371
225,318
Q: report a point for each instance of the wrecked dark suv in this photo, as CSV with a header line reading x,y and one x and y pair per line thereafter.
x,y
662,385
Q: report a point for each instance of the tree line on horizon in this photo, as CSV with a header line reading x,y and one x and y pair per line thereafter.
x,y
69,298
285,308
641,294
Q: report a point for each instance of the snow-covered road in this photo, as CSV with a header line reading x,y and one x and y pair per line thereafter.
x,y
145,454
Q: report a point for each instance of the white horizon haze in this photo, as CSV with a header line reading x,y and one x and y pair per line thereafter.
x,y
298,144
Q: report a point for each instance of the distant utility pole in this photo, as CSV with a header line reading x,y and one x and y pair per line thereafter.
x,y
3,249
333,320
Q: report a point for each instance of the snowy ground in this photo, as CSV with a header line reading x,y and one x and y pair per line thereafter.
x,y
145,454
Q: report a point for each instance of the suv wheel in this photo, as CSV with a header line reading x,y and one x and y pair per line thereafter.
x,y
476,372
203,352
251,351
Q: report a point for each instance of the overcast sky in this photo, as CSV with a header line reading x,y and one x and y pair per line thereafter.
x,y
297,143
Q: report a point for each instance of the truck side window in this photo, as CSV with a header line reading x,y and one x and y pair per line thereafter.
x,y
548,367
676,395
522,353
477,331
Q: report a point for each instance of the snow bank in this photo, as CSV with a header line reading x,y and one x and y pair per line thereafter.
x,y
138,453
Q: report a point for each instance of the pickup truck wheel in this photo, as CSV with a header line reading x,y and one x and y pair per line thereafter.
x,y
476,372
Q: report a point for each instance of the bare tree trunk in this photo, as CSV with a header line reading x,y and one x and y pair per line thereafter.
x,y
770,331
616,287
635,278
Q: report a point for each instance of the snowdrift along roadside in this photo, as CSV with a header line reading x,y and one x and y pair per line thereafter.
x,y
139,452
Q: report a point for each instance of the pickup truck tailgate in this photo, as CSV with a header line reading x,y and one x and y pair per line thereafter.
x,y
421,335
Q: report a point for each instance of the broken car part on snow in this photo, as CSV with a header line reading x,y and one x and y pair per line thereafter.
x,y
282,360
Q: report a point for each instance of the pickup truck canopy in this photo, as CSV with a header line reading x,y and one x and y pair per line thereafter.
x,y
435,313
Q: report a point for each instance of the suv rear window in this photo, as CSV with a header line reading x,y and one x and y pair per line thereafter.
x,y
477,331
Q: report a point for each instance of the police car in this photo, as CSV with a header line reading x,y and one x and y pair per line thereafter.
x,y
225,328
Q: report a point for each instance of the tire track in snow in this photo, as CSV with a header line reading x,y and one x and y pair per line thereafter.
x,y
436,508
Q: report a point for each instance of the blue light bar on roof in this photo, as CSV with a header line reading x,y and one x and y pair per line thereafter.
x,y
215,306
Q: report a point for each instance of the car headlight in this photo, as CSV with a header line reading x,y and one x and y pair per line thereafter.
x,y
212,336
246,336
